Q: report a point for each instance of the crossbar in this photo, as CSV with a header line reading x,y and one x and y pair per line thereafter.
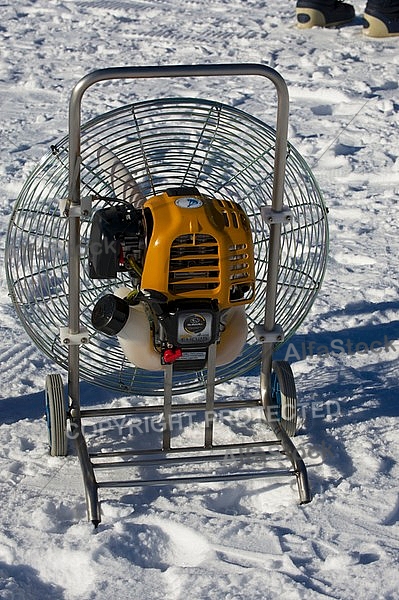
x,y
188,449
196,479
159,408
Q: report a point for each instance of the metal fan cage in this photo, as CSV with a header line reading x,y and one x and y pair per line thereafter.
x,y
223,151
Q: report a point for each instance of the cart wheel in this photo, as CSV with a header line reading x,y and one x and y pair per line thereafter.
x,y
56,415
284,395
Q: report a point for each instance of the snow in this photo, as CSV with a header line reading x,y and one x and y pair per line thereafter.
x,y
245,539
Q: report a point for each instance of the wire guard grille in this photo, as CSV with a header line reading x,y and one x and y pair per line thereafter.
x,y
223,151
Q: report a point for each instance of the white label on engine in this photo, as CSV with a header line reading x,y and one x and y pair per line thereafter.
x,y
188,202
193,356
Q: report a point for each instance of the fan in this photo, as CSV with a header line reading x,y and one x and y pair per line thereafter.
x,y
137,152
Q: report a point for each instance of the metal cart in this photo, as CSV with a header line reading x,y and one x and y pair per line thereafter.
x,y
151,146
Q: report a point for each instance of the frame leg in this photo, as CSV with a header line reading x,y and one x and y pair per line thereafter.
x,y
89,478
286,443
167,407
210,396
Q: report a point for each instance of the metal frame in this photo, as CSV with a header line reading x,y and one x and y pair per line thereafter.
x,y
74,335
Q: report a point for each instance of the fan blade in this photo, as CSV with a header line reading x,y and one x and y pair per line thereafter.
x,y
122,181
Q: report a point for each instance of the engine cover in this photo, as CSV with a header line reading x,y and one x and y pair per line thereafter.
x,y
200,247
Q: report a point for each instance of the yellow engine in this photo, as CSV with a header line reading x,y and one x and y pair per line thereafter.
x,y
191,263
199,247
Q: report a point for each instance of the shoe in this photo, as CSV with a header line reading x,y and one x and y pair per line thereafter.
x,y
381,21
316,13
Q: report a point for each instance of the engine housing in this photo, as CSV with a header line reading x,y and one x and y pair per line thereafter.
x,y
200,247
190,259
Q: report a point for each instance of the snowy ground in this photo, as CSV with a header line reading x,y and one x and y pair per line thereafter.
x,y
241,540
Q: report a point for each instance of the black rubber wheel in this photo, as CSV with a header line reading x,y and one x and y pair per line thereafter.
x,y
284,395
56,415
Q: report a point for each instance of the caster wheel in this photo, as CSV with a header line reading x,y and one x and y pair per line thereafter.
x,y
284,395
56,415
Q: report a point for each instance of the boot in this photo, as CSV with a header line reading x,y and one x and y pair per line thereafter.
x,y
319,13
381,18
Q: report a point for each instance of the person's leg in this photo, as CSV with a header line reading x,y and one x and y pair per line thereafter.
x,y
381,18
323,13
